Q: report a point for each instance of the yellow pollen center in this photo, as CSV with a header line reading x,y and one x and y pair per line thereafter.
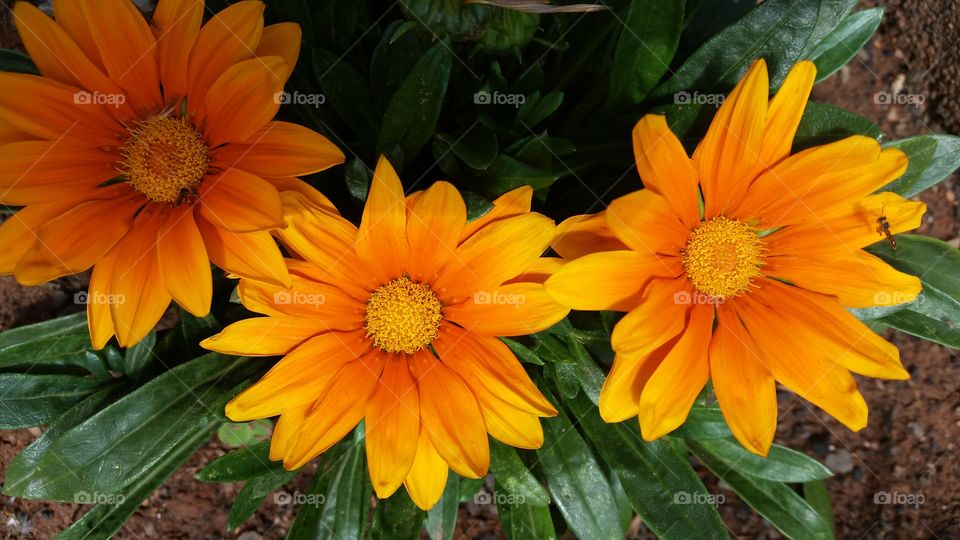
x,y
403,316
722,257
165,159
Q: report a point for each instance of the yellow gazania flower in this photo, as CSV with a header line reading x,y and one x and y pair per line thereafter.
x,y
147,151
736,265
396,324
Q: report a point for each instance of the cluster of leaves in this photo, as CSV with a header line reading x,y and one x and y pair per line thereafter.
x,y
489,99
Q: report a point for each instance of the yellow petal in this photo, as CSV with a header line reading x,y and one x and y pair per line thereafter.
x,y
784,112
647,223
176,26
392,422
434,227
184,264
428,474
516,309
263,336
283,40
241,202
281,149
581,235
609,279
252,255
511,203
382,238
665,168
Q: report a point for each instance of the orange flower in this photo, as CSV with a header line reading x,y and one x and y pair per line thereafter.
x,y
397,323
736,265
146,151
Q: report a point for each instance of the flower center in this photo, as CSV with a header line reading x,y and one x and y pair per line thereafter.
x,y
403,316
722,257
165,159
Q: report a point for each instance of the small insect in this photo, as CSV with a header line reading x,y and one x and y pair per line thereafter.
x,y
883,229
186,195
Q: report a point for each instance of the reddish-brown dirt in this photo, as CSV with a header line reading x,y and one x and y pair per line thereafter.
x,y
909,447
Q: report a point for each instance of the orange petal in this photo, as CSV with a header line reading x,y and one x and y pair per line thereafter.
x,y
784,112
33,171
620,395
729,155
134,65
609,279
674,386
508,424
382,240
283,40
580,235
141,298
71,18
263,336
320,303
511,203
744,386
281,149
241,202
647,223
517,309
289,424
428,474
392,426
184,264
242,100
99,319
434,227
18,233
457,431
176,27
300,377
229,37
306,191
488,363
665,168
539,271
796,363
496,253
252,255
660,315
339,410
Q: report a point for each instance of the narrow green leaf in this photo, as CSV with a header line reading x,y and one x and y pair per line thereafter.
x,y
524,353
775,501
538,108
35,332
397,518
241,464
347,92
412,114
524,521
140,356
703,423
71,349
932,158
442,518
514,477
507,173
253,493
840,46
17,62
781,465
477,147
30,400
647,43
658,480
822,124
817,496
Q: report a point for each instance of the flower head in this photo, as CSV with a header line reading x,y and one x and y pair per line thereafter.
x,y
397,323
147,150
737,265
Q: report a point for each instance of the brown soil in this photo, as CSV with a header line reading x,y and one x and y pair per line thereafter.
x,y
909,447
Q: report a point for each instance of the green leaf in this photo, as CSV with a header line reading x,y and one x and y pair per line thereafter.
x,y
538,108
442,518
412,114
104,520
253,493
477,205
347,92
932,158
781,465
840,46
775,30
31,400
507,173
340,496
524,353
35,332
120,444
514,477
590,377
65,350
244,433
817,496
397,518
660,483
241,464
822,124
647,43
935,313
140,356
576,481
17,62
525,521
477,147
704,423
775,501
358,178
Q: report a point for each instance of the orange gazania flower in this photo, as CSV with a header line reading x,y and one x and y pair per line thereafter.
x,y
736,265
396,323
147,150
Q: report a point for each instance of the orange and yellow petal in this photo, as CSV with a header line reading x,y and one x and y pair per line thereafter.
x,y
428,474
241,202
176,25
434,227
647,223
382,239
281,149
511,203
184,264
229,37
620,395
263,336
581,235
665,168
785,111
242,100
609,279
283,40
319,303
660,316
392,423
252,255
516,309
